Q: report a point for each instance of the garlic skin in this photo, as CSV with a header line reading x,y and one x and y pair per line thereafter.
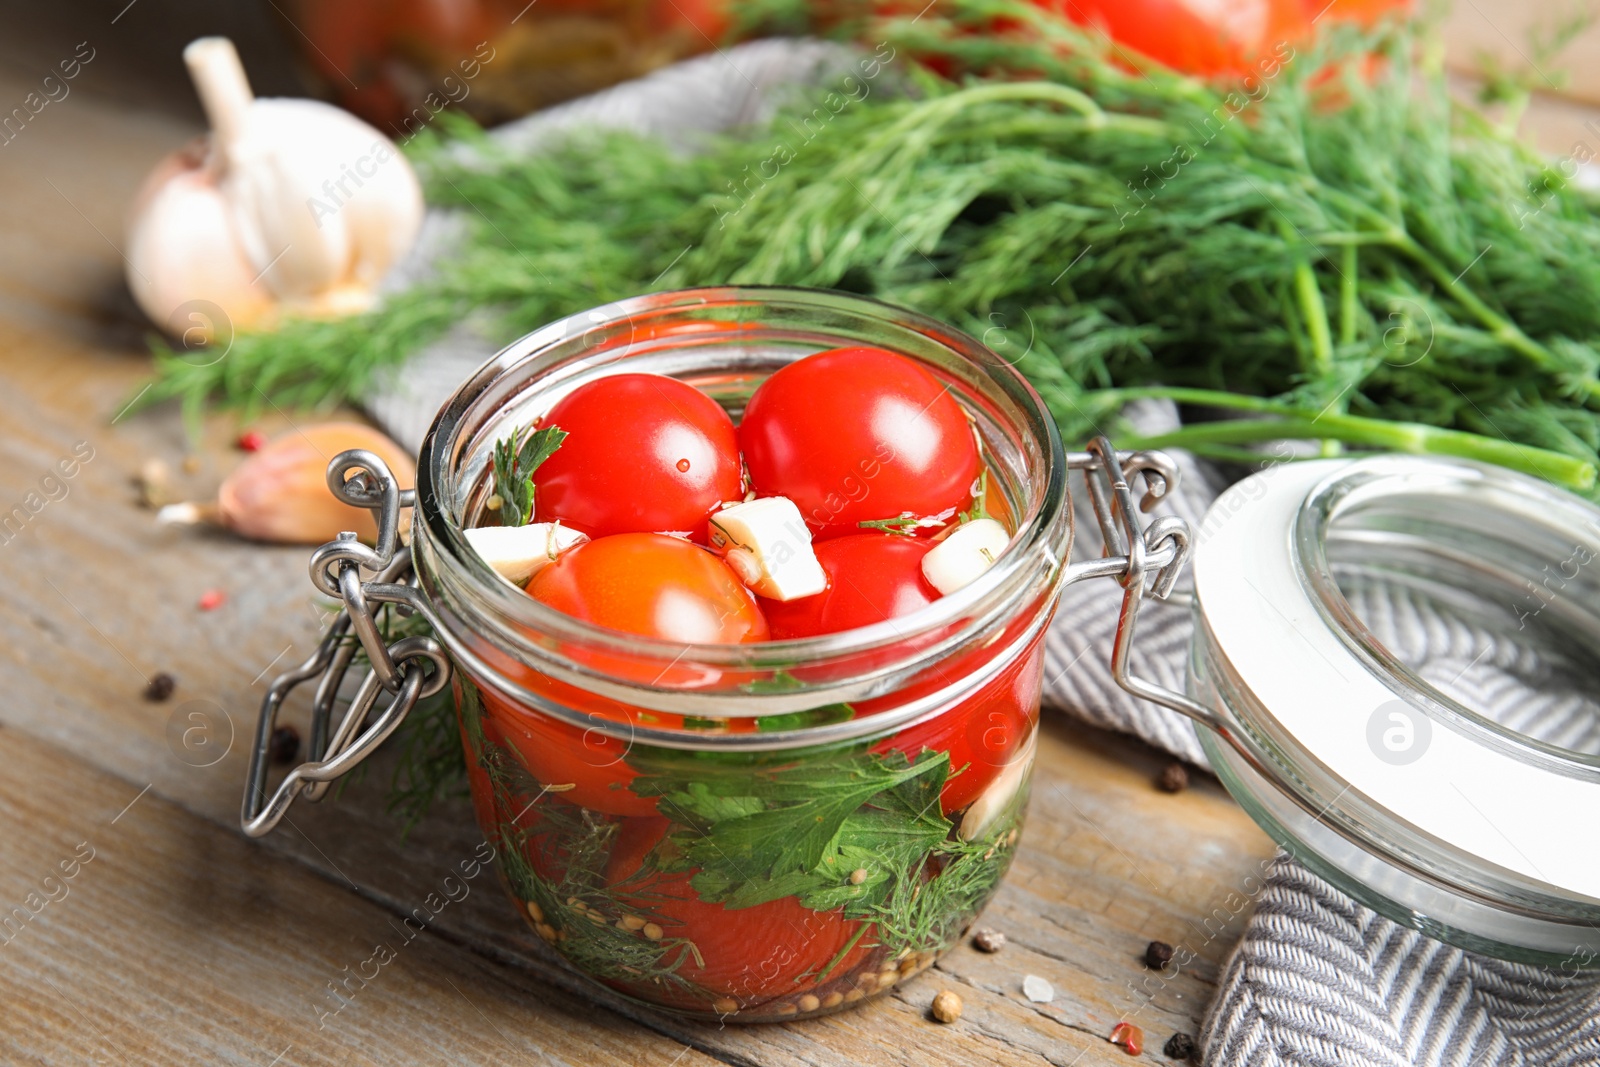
x,y
280,493
289,207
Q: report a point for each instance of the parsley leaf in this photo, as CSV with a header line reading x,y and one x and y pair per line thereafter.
x,y
515,460
801,830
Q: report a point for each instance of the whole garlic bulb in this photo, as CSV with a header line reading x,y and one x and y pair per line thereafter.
x,y
289,206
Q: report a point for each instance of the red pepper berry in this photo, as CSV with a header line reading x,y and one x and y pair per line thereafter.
x,y
1129,1036
212,599
251,441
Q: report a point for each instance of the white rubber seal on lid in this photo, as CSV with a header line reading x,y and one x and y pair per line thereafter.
x,y
1474,797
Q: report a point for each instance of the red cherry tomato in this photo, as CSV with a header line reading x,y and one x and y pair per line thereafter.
x,y
652,585
871,577
587,764
1196,36
647,584
858,433
646,453
984,734
751,954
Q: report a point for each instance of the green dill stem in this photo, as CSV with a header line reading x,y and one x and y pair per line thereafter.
x,y
1408,437
843,952
1349,298
1312,307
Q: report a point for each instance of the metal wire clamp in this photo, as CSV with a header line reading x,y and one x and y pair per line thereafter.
x,y
407,670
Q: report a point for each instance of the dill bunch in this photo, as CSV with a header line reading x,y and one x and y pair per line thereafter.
x,y
1331,250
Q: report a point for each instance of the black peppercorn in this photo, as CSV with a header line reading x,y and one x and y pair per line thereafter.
x,y
1174,778
1179,1047
160,687
285,744
1157,954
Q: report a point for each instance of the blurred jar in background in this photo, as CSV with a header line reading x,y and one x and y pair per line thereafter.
x,y
396,63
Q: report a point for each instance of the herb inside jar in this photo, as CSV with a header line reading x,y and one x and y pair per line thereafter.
x,y
770,881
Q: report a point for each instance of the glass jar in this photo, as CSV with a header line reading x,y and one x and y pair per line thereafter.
x,y
755,831
1399,657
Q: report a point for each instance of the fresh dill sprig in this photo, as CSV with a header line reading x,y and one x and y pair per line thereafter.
x,y
1337,238
905,524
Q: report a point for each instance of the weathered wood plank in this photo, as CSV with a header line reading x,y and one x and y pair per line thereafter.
x,y
136,933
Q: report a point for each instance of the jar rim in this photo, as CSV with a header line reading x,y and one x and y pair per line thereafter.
x,y
529,374
1410,486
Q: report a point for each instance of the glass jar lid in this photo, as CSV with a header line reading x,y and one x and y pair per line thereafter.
x,y
1411,647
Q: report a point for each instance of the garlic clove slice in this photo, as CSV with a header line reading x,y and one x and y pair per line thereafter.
x,y
964,555
993,801
517,553
767,544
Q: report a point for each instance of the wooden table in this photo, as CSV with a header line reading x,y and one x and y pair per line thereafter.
x,y
177,940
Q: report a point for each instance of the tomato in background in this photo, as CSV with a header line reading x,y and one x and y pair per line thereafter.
x,y
387,60
1203,37
654,586
871,577
1363,12
645,453
858,433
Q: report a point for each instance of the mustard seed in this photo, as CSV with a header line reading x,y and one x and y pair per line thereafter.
x,y
946,1006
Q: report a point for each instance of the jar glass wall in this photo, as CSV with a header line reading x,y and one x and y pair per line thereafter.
x,y
751,831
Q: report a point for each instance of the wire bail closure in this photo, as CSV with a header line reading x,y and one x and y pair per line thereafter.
x,y
401,669
1145,561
